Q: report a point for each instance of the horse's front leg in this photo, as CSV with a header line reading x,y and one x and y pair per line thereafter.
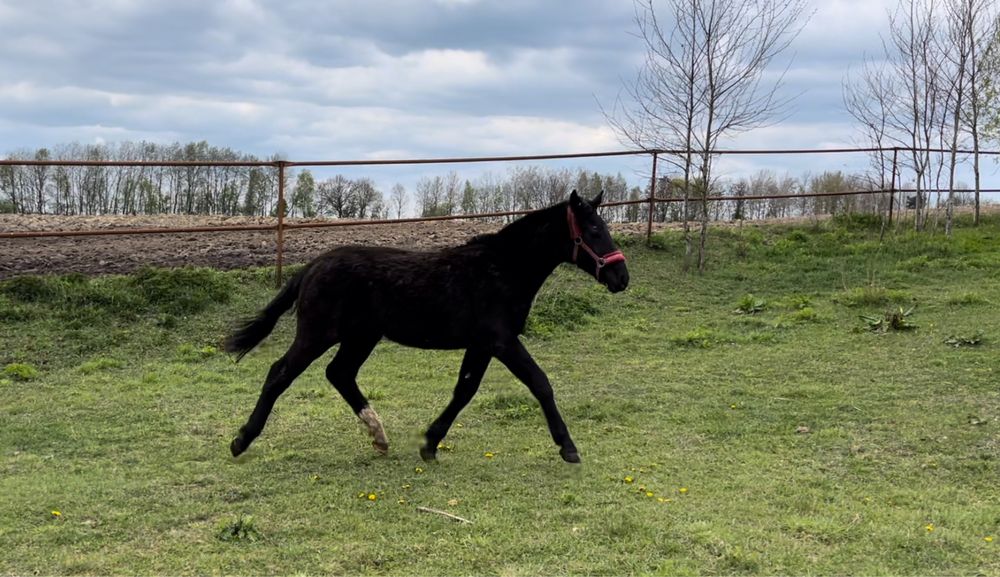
x,y
471,374
517,359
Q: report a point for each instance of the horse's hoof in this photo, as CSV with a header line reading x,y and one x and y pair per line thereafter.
x,y
428,454
571,456
236,447
382,447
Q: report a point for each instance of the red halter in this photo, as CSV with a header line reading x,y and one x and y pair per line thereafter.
x,y
577,237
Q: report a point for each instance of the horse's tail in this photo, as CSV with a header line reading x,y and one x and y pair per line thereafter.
x,y
251,332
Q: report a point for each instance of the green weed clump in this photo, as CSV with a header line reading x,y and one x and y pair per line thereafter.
x,y
974,339
100,364
897,319
188,353
242,530
559,309
750,305
870,296
700,338
182,291
20,372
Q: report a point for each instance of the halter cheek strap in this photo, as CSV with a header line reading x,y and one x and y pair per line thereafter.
x,y
577,237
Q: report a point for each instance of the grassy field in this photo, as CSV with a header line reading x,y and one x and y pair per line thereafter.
x,y
785,413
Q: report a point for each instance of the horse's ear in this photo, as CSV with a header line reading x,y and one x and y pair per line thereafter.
x,y
597,200
574,199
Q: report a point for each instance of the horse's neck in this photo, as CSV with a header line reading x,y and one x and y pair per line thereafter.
x,y
533,248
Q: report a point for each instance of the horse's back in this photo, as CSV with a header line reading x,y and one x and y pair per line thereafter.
x,y
427,299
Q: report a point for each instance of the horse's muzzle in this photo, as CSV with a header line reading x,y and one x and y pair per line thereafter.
x,y
615,278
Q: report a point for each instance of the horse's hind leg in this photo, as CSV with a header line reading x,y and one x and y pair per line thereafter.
x,y
474,366
279,378
342,373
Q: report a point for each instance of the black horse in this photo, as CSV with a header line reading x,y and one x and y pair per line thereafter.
x,y
474,297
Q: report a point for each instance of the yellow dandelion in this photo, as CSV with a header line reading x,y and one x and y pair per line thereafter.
x,y
929,527
732,406
988,538
406,485
682,490
663,499
56,514
372,496
628,479
649,494
488,455
362,495
418,470
401,501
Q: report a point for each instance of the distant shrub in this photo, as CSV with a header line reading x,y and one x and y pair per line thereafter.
x,y
858,221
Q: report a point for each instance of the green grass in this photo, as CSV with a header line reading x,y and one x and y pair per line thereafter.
x,y
789,441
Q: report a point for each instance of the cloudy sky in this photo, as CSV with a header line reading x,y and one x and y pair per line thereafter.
x,y
379,79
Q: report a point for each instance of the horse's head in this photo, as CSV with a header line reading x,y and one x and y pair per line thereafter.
x,y
593,250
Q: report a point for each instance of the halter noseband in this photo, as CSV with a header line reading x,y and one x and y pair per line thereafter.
x,y
577,237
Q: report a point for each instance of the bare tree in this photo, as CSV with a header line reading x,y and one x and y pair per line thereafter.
x,y
398,199
704,79
981,28
870,97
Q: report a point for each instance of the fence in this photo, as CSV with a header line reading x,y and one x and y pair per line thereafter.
x,y
281,226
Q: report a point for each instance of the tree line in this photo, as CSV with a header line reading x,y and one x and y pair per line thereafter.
x,y
252,191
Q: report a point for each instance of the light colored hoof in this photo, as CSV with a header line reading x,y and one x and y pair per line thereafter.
x,y
370,418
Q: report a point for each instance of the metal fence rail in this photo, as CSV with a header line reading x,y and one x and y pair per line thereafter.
x,y
280,227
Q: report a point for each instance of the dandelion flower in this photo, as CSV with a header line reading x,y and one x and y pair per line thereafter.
x,y
418,470
372,496
489,455
401,501
629,479
988,538
362,495
406,485
663,499
649,494
56,514
929,527
682,490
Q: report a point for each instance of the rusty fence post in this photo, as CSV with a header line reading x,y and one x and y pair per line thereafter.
x,y
892,183
652,197
281,223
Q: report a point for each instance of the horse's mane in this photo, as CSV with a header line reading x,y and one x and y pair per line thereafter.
x,y
524,226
